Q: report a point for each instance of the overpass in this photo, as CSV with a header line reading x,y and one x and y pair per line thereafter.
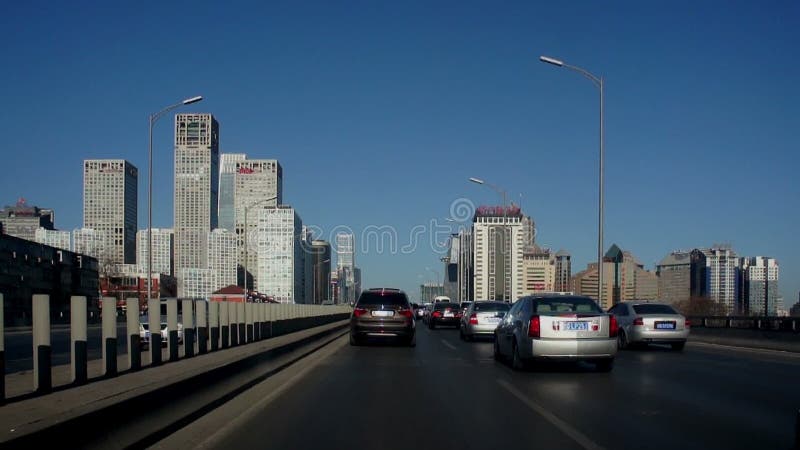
x,y
303,386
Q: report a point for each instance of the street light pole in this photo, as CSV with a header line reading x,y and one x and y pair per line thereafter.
x,y
599,82
152,121
246,232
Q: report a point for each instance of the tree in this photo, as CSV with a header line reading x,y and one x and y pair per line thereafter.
x,y
701,306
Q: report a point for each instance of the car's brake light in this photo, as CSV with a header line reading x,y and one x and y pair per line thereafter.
x,y
358,312
638,321
613,326
535,327
473,319
437,314
406,312
688,323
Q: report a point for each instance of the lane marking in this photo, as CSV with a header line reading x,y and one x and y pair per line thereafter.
x,y
762,351
449,345
565,428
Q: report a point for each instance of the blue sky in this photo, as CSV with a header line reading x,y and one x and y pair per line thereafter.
x,y
380,111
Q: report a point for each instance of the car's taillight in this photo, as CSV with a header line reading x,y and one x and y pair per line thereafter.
x,y
535,327
437,314
406,312
473,319
688,323
613,326
638,321
358,312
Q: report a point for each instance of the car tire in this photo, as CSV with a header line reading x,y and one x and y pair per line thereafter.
x,y
622,340
605,365
678,346
517,363
354,341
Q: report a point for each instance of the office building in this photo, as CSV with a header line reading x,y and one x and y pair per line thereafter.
x,y
715,276
674,277
222,256
280,270
88,241
53,238
110,205
321,257
624,279
450,261
196,188
345,250
466,272
498,254
22,220
163,243
539,270
563,282
759,286
429,291
227,189
197,283
528,233
306,247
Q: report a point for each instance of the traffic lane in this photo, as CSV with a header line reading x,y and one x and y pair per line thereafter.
x,y
387,397
19,347
656,398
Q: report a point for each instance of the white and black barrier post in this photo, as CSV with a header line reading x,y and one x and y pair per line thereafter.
x,y
154,323
187,313
213,324
109,319
42,376
134,338
202,327
248,314
224,324
172,329
234,324
77,331
240,318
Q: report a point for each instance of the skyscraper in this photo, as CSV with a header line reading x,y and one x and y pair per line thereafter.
x,y
674,277
280,268
539,270
499,241
53,238
222,258
196,189
227,189
466,271
306,247
563,272
759,289
722,266
163,250
321,254
345,249
110,191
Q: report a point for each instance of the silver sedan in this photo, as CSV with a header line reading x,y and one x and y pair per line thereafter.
x,y
650,323
481,318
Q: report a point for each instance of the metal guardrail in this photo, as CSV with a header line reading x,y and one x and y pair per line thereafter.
x,y
765,323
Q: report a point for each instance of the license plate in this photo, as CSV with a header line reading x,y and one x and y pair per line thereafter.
x,y
383,313
665,325
448,314
576,326
493,320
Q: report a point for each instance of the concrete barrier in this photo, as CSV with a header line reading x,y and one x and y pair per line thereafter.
x,y
187,314
224,324
109,319
172,329
154,323
42,375
78,340
134,338
201,309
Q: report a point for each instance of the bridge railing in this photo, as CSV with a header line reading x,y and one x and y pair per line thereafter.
x,y
764,323
205,327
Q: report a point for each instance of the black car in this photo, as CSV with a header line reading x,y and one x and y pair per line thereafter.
x,y
445,313
383,313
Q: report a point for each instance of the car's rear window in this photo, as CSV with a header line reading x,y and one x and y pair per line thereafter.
x,y
445,305
485,307
385,298
465,304
566,304
653,309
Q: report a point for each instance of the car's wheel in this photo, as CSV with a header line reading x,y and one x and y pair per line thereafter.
x,y
605,365
354,340
517,363
622,340
678,346
497,355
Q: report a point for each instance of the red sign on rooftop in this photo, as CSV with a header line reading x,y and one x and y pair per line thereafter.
x,y
498,211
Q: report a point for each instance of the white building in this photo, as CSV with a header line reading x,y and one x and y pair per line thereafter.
x,y
307,253
279,270
498,255
198,283
227,189
466,271
258,186
110,189
722,265
222,259
53,238
196,189
539,267
759,287
91,242
345,250
163,250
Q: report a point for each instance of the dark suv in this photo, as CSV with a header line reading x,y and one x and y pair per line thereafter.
x,y
382,313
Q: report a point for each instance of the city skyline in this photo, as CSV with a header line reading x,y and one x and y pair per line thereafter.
x,y
668,129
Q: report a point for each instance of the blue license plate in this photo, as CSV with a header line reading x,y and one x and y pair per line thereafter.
x,y
665,325
576,326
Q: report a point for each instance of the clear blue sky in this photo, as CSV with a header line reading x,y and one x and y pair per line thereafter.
x,y
380,111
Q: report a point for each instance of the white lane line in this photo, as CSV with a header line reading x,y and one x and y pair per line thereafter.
x,y
565,428
761,351
449,345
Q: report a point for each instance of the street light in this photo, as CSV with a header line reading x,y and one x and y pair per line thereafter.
x,y
153,119
499,190
246,232
599,82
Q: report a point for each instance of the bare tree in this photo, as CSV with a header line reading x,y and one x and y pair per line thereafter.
x,y
701,306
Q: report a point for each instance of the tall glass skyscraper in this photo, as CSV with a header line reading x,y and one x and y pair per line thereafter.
x,y
227,190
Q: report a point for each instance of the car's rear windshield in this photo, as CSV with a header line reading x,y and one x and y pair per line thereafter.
x,y
654,309
445,305
487,307
465,304
566,304
385,298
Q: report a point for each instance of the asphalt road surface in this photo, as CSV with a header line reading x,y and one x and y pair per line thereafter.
x,y
446,393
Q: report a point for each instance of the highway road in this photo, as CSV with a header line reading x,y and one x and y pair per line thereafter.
x,y
446,393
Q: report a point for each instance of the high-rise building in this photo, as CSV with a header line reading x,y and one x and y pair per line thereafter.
x,y
53,238
563,272
759,286
22,220
227,189
280,268
163,251
528,232
196,189
624,278
466,270
222,259
321,256
451,261
88,241
306,246
539,270
429,291
721,268
197,283
498,261
110,205
356,283
345,250
674,277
